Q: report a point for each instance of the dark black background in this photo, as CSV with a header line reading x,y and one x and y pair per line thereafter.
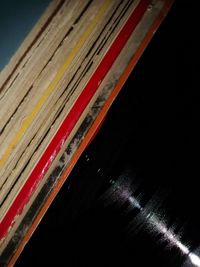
x,y
153,128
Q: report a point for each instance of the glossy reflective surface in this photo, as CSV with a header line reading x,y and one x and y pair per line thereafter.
x,y
133,198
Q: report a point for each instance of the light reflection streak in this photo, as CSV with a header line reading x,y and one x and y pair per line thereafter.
x,y
168,234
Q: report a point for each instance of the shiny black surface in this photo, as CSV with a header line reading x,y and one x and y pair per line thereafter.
x,y
133,198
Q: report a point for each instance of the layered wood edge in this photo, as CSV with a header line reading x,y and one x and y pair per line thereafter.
x,y
143,22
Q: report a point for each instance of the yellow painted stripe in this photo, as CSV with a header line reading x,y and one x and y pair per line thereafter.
x,y
29,119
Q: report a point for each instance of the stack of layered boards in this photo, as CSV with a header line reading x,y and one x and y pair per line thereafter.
x,y
54,94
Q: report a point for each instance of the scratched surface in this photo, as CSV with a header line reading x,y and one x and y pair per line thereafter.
x,y
17,236
158,140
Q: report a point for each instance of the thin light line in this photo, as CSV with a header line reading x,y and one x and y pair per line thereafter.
x,y
72,118
29,119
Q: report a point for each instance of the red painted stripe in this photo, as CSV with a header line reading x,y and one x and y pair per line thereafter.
x,y
72,118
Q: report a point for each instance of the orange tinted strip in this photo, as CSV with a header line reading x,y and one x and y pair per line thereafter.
x,y
94,127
